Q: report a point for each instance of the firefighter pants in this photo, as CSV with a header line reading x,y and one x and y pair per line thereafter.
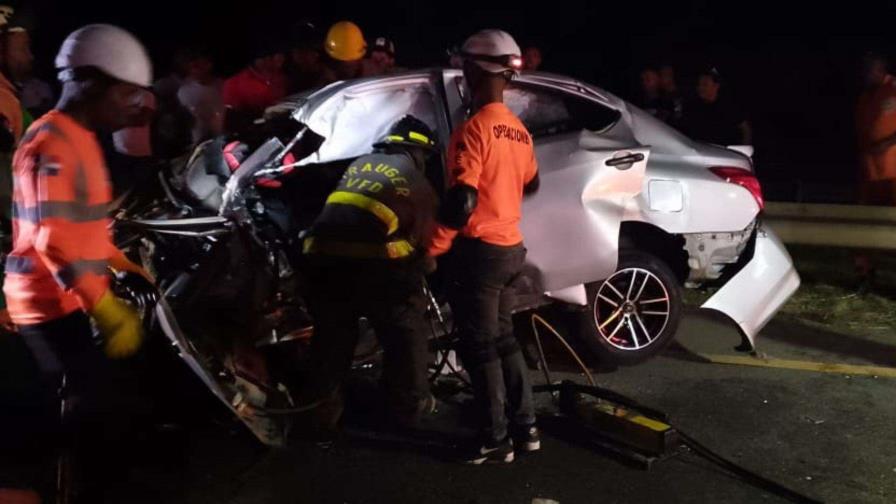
x,y
390,295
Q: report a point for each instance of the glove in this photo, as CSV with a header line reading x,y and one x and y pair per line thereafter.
x,y
135,287
119,324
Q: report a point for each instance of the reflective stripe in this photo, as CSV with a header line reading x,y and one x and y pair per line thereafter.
x,y
395,138
420,138
69,210
19,264
48,127
397,249
50,169
68,276
24,213
369,204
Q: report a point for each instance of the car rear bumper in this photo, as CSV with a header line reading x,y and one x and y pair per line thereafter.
x,y
753,296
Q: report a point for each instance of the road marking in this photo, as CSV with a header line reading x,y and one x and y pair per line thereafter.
x,y
819,367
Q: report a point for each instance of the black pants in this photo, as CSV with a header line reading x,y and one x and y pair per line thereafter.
x,y
482,299
390,295
25,417
99,406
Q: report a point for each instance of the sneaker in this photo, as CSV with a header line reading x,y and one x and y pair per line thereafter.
x,y
527,439
500,453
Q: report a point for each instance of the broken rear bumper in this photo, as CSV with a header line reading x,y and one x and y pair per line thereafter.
x,y
753,296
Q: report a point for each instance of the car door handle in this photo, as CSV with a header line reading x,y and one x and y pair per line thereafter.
x,y
628,160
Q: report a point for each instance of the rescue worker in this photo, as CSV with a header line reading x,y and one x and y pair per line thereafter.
x,y
57,273
366,251
491,163
876,131
876,127
15,66
344,50
19,403
16,63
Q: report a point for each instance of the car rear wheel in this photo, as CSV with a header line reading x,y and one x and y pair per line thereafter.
x,y
634,314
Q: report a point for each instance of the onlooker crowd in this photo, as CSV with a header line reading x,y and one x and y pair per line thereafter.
x,y
711,115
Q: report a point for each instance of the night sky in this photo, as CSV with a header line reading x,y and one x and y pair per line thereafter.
x,y
791,65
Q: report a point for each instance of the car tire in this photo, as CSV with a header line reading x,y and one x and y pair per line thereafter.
x,y
621,332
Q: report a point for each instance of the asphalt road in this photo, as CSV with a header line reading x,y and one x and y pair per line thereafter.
x,y
828,435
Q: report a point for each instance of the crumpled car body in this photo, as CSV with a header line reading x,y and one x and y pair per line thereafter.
x,y
611,174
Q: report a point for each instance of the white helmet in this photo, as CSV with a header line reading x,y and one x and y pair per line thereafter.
x,y
109,48
494,51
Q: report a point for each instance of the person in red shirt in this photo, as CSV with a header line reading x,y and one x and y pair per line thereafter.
x,y
247,94
491,163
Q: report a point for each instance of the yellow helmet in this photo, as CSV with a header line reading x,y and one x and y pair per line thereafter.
x,y
345,42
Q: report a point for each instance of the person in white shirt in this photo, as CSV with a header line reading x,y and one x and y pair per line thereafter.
x,y
200,93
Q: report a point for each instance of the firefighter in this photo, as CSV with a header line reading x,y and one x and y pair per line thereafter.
x,y
366,251
57,273
344,50
491,163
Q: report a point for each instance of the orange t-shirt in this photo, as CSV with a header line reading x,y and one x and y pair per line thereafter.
x,y
493,153
61,241
875,121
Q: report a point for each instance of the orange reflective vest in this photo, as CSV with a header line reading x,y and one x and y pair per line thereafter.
x,y
61,239
493,153
876,121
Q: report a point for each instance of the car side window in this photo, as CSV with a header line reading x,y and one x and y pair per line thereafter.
x,y
547,112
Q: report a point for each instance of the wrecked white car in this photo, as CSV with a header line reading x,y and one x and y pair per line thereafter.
x,y
629,209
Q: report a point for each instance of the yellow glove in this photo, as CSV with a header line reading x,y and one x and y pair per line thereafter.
x,y
119,324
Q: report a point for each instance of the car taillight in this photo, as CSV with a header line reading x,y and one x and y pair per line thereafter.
x,y
743,178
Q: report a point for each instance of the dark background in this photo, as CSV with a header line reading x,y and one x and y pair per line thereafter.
x,y
793,66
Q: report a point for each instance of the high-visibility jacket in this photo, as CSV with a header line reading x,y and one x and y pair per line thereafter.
x,y
61,239
11,110
876,121
493,153
383,208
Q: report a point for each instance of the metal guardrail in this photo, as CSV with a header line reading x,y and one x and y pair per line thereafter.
x,y
848,226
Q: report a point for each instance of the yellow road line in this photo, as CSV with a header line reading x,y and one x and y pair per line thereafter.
x,y
819,367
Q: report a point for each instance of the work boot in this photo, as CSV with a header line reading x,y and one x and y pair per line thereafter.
x,y
526,438
491,453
